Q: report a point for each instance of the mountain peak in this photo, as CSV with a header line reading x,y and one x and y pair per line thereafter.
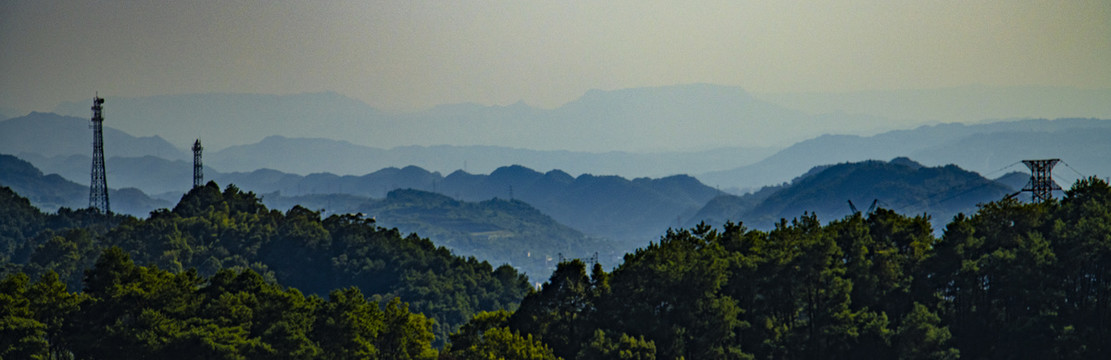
x,y
514,172
905,161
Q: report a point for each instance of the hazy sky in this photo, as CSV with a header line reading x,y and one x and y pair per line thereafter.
x,y
415,54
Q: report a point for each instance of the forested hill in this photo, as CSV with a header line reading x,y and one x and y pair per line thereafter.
x,y
210,229
901,184
1012,281
501,231
626,210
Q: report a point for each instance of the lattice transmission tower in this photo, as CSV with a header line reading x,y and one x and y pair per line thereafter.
x,y
1041,183
98,185
198,168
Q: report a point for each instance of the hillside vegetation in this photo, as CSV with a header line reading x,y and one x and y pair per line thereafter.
x,y
210,230
496,230
1014,280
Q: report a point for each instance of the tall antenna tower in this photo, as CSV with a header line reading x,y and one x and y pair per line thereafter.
x,y
198,168
98,186
1041,179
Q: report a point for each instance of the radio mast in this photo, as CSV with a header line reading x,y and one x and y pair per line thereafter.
x,y
98,185
198,168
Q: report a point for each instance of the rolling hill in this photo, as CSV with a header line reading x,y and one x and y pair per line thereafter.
x,y
51,192
500,231
302,156
985,148
901,185
611,207
50,135
496,230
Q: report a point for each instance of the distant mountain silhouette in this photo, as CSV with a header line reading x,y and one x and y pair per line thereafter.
x,y
670,118
604,206
222,120
1014,180
954,104
304,155
51,192
49,141
901,185
8,113
50,135
152,175
984,148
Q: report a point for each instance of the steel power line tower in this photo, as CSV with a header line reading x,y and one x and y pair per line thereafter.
x,y
98,185
1041,183
198,168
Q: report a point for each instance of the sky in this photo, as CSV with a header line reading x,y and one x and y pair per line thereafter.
x,y
409,55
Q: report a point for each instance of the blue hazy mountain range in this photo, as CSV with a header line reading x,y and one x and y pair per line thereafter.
x,y
7,113
671,118
965,104
990,149
668,118
610,207
60,145
302,156
51,192
602,206
49,134
38,135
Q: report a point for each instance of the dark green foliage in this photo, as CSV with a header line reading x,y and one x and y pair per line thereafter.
x,y
497,230
133,312
63,242
487,336
1014,280
212,229
21,222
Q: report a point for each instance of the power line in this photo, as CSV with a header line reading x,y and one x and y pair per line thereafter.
x,y
924,203
1073,169
1002,168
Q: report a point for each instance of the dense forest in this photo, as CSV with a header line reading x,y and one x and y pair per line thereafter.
x,y
210,230
1013,280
